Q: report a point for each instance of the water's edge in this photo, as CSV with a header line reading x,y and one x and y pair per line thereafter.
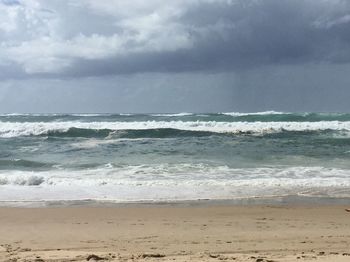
x,y
283,201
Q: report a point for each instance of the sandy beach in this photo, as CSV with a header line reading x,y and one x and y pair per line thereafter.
x,y
176,233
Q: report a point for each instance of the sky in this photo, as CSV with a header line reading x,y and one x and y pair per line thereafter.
x,y
174,56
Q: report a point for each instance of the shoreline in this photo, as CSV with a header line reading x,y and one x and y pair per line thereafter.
x,y
293,200
259,233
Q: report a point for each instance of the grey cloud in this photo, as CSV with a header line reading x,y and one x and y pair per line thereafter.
x,y
216,36
240,36
268,32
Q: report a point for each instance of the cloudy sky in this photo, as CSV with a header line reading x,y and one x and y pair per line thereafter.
x,y
174,56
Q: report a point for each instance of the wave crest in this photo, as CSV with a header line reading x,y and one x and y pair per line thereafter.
x,y
165,128
27,180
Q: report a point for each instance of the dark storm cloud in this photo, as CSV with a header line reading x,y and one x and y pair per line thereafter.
x,y
234,37
204,36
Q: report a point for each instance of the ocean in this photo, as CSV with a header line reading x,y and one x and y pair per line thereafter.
x,y
173,157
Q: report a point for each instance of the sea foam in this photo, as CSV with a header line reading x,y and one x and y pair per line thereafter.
x,y
164,182
15,129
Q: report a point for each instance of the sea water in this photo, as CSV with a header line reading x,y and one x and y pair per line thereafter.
x,y
173,157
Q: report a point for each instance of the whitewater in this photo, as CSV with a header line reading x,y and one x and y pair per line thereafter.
x,y
9,129
174,156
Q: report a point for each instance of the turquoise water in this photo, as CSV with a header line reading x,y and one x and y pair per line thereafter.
x,y
134,157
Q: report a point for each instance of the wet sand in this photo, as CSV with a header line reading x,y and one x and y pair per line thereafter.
x,y
171,233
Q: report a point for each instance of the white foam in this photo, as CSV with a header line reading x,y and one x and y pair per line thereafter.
x,y
92,143
172,182
254,113
13,114
30,114
14,129
88,115
174,115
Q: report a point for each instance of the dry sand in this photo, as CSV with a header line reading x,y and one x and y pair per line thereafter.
x,y
165,233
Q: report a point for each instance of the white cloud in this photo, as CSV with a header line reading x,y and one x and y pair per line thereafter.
x,y
8,17
48,55
143,27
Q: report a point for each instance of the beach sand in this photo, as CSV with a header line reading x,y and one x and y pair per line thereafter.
x,y
176,233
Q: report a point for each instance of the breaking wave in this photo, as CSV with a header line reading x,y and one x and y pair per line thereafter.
x,y
173,182
161,128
